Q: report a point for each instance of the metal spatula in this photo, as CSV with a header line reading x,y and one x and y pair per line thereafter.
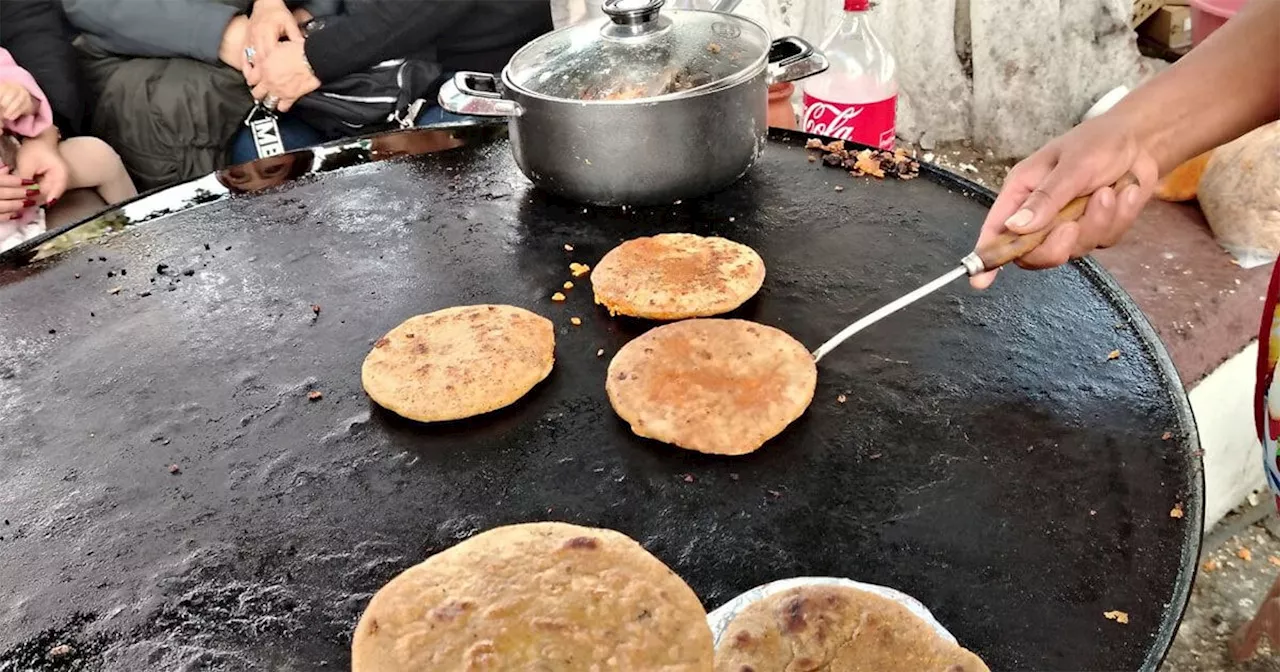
x,y
1004,249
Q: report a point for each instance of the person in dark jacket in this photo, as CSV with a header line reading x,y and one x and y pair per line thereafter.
x,y
457,34
167,81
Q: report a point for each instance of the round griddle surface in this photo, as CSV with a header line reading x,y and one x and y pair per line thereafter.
x,y
172,496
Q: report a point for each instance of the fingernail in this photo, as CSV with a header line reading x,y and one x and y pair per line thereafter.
x,y
1132,195
28,202
16,215
33,187
52,202
1020,219
1107,198
27,183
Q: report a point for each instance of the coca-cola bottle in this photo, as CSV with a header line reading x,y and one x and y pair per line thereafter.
x,y
857,98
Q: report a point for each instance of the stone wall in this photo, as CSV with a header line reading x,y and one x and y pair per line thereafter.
x,y
1007,75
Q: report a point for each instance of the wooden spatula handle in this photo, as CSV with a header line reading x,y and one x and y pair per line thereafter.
x,y
1010,246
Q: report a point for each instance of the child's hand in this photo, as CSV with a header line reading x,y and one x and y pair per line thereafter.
x,y
16,101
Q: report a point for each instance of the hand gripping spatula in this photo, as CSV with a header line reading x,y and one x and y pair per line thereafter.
x,y
994,254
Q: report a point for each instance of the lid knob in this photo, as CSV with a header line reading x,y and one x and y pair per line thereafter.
x,y
632,12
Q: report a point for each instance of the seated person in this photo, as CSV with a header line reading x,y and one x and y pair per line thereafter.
x,y
458,35
166,77
35,57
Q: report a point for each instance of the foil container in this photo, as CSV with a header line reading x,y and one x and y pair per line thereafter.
x,y
720,619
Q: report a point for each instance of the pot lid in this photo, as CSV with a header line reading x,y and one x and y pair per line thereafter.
x,y
640,52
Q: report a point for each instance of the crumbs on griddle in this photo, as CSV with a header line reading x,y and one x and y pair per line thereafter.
x,y
877,163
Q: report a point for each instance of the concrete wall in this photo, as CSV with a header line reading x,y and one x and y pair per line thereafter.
x,y
1009,75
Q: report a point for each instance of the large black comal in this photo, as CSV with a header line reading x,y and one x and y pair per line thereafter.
x,y
171,494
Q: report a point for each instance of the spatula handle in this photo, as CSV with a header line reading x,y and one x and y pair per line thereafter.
x,y
1010,246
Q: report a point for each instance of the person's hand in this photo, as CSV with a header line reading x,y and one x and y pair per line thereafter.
x,y
40,163
286,75
1085,160
16,101
16,194
269,23
234,40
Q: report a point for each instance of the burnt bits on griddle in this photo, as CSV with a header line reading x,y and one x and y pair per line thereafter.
x,y
874,162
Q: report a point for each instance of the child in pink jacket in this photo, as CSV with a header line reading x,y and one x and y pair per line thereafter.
x,y
91,163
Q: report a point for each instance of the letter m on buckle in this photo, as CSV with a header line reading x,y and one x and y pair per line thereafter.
x,y
266,136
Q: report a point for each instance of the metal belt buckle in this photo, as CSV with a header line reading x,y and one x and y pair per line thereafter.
x,y
266,132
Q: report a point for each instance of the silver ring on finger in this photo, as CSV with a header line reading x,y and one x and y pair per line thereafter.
x,y
271,102
249,53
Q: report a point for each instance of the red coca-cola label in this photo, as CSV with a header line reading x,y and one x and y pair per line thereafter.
x,y
869,124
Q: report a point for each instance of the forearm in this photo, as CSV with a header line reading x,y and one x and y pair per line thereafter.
x,y
382,30
157,28
1222,89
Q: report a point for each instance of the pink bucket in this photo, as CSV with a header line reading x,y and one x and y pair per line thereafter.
x,y
1209,15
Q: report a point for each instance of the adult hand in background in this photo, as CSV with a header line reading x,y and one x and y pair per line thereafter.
x,y
1085,160
16,194
234,40
286,75
270,22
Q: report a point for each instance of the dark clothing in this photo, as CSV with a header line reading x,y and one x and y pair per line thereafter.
x,y
169,118
34,33
295,134
162,28
458,34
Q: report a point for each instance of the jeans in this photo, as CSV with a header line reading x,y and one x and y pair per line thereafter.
x,y
297,135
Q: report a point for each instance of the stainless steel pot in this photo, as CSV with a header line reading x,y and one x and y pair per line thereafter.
x,y
641,108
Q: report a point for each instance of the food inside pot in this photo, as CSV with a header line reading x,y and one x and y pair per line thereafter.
x,y
671,81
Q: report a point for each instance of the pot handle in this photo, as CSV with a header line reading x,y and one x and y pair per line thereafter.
x,y
476,94
791,58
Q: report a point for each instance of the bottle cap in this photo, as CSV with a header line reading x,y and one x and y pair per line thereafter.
x,y
857,5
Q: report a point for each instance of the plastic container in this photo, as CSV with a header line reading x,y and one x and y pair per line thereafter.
x,y
856,99
1209,15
